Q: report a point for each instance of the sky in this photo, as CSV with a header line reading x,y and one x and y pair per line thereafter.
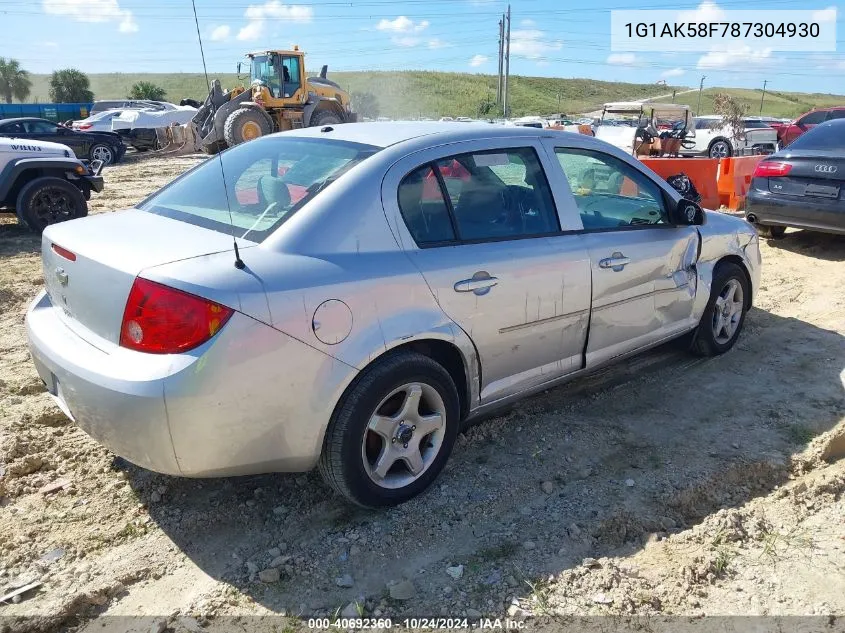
x,y
551,38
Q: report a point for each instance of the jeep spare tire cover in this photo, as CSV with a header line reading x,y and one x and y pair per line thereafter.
x,y
24,148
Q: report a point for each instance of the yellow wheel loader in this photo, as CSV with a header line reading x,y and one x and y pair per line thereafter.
x,y
280,97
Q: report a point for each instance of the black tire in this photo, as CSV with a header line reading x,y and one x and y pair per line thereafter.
x,y
324,117
49,200
341,463
103,152
770,232
705,342
719,142
245,124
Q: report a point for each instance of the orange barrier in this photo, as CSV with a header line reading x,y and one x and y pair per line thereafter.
x,y
735,180
701,171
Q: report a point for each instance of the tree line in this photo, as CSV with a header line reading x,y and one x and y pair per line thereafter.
x,y
67,85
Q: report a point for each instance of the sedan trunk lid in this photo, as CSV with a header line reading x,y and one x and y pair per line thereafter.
x,y
818,174
90,271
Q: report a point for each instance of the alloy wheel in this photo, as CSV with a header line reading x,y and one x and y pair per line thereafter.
x,y
404,435
51,205
727,311
103,153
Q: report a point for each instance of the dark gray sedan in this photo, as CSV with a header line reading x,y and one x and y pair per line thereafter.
x,y
802,185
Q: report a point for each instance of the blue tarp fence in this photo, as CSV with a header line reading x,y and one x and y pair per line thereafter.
x,y
54,111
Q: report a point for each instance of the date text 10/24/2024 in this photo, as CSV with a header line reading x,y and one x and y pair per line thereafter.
x,y
386,624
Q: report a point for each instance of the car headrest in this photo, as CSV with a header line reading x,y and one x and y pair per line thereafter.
x,y
273,189
410,195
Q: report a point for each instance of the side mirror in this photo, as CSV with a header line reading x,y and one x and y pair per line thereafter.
x,y
688,213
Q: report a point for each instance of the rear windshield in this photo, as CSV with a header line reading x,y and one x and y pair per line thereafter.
x,y
826,137
266,182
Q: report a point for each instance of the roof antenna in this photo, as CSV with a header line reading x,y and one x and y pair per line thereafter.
x,y
239,263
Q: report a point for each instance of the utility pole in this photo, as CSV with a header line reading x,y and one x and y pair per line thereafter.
x,y
507,62
700,87
501,53
765,81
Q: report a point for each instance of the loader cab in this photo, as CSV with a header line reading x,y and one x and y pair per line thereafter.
x,y
281,72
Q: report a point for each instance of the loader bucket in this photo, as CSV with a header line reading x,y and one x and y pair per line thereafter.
x,y
178,140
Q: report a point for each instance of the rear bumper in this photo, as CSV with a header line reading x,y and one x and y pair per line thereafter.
x,y
251,400
108,400
827,216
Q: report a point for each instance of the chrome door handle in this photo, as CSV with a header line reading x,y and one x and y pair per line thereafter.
x,y
478,284
615,262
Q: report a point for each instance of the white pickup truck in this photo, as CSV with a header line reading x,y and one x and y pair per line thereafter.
x,y
45,183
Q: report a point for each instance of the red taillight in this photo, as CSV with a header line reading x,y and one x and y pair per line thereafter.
x,y
771,169
85,126
162,320
63,252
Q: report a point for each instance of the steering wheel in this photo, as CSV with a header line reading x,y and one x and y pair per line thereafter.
x,y
517,204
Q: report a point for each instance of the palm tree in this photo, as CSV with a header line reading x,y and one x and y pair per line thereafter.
x,y
14,80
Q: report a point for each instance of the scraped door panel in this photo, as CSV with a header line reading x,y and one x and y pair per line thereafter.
x,y
530,325
643,288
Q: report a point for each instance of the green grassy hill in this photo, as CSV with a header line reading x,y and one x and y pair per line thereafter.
x,y
778,104
433,94
407,93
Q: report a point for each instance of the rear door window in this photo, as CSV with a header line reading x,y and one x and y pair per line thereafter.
x,y
489,195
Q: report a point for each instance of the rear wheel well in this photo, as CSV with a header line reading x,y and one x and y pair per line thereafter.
x,y
722,139
735,259
450,358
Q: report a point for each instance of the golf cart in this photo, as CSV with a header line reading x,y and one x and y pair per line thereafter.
x,y
645,129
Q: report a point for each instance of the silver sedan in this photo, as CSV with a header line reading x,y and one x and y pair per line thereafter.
x,y
349,297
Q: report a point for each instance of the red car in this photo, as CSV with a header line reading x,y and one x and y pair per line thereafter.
x,y
788,132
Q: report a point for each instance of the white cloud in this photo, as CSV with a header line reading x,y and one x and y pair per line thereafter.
x,y
402,24
707,11
622,59
528,23
277,10
93,11
478,60
252,31
824,15
221,33
743,56
405,32
258,14
532,44
438,43
674,72
406,40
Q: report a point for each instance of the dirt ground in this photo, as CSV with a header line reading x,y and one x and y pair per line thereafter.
x,y
660,491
